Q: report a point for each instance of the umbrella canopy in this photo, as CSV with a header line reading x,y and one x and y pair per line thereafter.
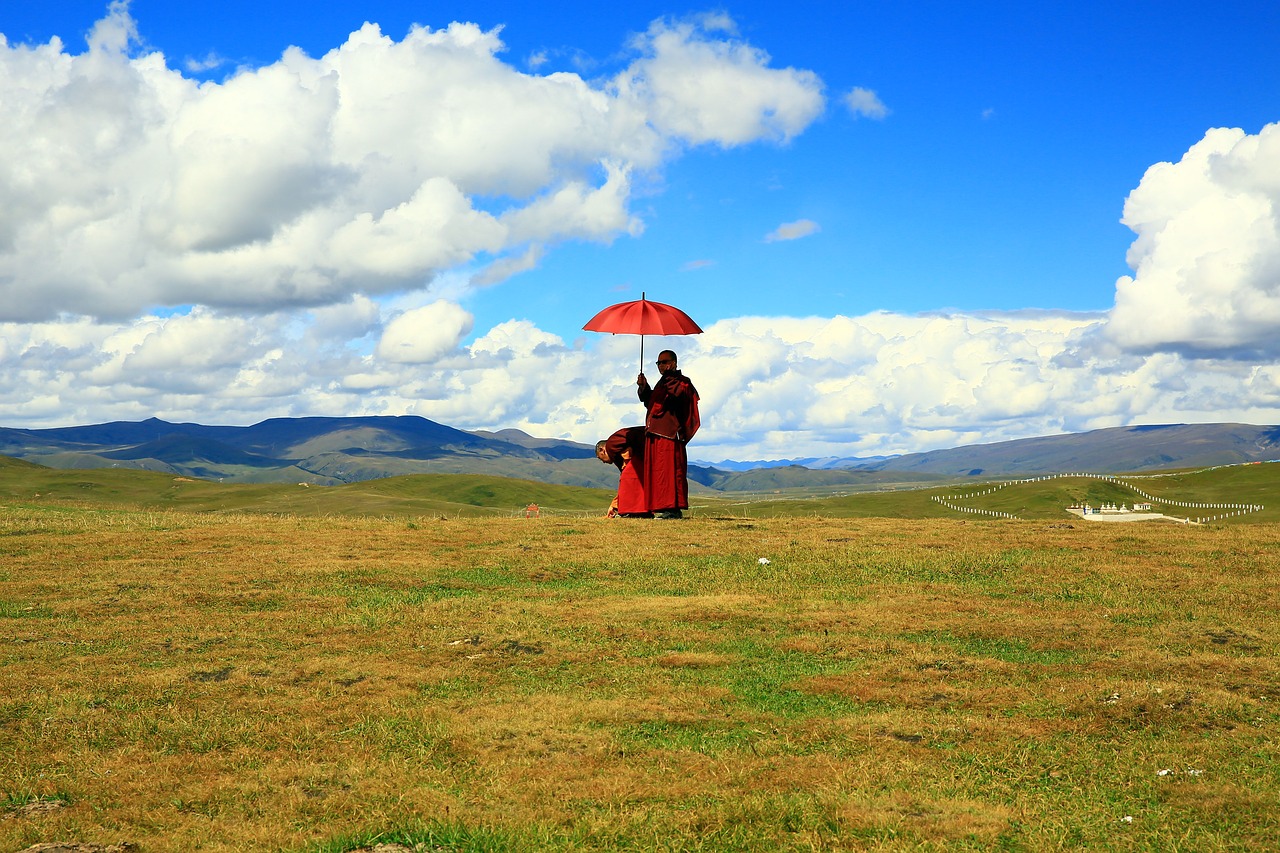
x,y
643,317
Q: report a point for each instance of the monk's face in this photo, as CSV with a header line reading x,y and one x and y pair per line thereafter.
x,y
666,364
602,454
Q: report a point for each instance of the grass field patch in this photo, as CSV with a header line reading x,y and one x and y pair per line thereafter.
x,y
295,682
25,610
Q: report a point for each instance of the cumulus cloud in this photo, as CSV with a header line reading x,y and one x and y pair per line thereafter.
x,y
424,335
1206,259
772,387
792,231
372,169
504,268
865,103
702,89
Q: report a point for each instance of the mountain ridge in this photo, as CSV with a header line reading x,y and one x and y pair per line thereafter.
x,y
1113,450
330,451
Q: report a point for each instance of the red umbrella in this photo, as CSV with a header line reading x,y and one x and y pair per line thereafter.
x,y
643,317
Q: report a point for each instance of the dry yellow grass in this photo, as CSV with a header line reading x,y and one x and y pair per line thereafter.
x,y
183,681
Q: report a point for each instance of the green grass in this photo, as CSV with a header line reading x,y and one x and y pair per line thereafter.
x,y
16,800
320,681
24,610
424,498
429,498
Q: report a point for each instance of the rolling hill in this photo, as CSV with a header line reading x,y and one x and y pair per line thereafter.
x,y
1117,450
335,451
1209,494
320,451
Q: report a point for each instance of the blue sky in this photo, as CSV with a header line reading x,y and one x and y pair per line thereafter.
x,y
955,246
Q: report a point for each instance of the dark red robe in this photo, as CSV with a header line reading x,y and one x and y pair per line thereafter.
x,y
671,421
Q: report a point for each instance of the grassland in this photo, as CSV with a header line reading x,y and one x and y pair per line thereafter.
x,y
23,484
190,665
434,495
227,680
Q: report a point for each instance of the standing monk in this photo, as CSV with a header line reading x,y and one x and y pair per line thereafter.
x,y
671,421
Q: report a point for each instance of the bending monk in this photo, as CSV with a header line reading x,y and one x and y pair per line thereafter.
x,y
625,449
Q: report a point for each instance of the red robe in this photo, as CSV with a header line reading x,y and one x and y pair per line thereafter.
x,y
671,421
631,494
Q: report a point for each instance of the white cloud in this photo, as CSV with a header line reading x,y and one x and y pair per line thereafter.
x,y
116,31
199,343
208,63
1206,259
865,103
594,212
424,335
771,387
792,231
352,320
504,268
701,89
717,22
126,185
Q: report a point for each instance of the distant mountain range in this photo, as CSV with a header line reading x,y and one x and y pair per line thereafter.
x,y
816,463
1117,450
330,451
323,451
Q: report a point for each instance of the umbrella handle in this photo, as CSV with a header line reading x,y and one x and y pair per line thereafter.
x,y
642,339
